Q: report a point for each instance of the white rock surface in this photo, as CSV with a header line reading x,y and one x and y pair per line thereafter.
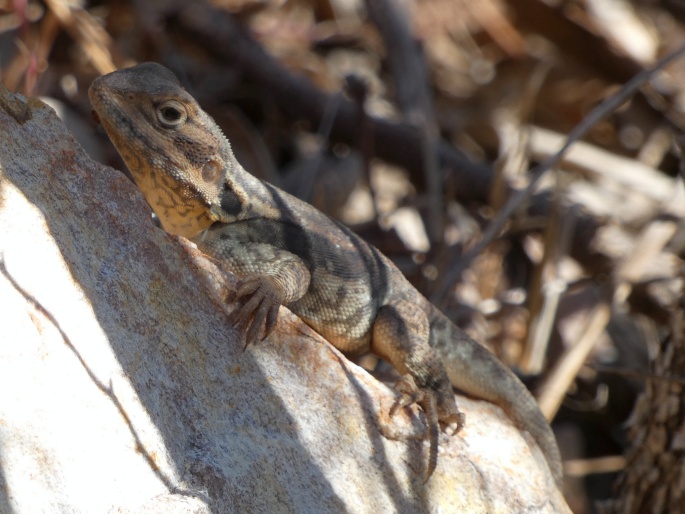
x,y
125,389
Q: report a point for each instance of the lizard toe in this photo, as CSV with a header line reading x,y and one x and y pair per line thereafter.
x,y
429,404
429,401
454,423
247,287
259,313
410,393
255,326
271,320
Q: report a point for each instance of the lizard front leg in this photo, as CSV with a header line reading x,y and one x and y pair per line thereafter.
x,y
400,335
270,277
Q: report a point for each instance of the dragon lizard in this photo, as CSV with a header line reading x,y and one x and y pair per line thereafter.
x,y
286,252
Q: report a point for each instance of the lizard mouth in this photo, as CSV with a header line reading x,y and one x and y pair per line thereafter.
x,y
95,116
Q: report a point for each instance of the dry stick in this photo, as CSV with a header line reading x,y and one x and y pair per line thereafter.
x,y
222,36
564,373
652,241
585,467
546,293
91,37
598,113
649,244
637,374
491,18
591,160
225,38
408,67
306,187
579,43
358,90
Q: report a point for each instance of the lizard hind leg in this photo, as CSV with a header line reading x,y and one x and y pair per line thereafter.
x,y
410,394
401,335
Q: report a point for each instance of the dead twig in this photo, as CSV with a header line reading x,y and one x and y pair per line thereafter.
x,y
564,373
579,131
398,143
410,77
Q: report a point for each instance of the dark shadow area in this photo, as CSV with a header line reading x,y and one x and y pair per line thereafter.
x,y
416,502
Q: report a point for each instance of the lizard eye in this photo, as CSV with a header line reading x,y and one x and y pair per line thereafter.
x,y
171,114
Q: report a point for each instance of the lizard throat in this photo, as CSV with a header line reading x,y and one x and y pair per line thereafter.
x,y
180,211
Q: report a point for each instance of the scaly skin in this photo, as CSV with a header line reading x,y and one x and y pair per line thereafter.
x,y
288,253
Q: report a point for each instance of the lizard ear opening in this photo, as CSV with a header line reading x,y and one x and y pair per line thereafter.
x,y
171,114
211,171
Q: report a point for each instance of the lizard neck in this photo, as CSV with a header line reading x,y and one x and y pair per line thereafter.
x,y
243,197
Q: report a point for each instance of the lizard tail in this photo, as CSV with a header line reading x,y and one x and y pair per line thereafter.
x,y
477,372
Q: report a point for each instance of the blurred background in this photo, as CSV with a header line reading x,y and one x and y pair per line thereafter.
x,y
415,123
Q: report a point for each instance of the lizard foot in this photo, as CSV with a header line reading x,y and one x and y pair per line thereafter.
x,y
436,411
259,313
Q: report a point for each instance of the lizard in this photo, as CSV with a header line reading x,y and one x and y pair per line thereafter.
x,y
286,252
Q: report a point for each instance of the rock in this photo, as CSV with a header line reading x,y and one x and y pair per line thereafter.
x,y
125,388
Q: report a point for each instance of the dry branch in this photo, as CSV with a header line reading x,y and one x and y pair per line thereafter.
x,y
398,143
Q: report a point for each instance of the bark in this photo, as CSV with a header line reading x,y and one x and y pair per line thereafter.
x,y
654,478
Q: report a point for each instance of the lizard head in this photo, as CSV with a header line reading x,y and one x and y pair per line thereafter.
x,y
174,150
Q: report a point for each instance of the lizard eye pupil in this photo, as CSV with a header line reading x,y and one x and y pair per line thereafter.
x,y
172,114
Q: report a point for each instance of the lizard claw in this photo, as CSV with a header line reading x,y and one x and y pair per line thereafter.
x,y
426,399
454,422
436,412
259,314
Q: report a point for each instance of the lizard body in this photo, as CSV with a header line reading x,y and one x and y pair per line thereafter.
x,y
288,253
